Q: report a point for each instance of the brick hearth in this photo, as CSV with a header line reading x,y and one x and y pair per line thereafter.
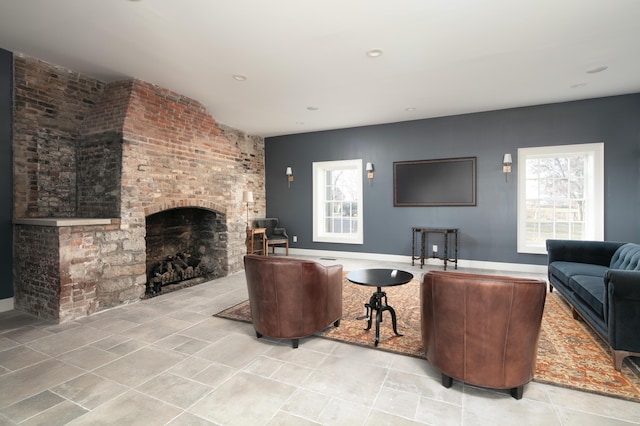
x,y
120,152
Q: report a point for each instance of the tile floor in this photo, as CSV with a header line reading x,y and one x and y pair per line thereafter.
x,y
168,361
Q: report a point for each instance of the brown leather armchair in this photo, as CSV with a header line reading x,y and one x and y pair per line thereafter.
x,y
482,329
292,298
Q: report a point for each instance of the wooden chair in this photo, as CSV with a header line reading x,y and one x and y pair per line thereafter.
x,y
276,236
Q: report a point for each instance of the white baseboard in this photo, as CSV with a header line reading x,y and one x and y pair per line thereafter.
x,y
472,264
6,304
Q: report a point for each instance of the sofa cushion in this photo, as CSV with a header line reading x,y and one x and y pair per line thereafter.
x,y
563,271
590,289
627,257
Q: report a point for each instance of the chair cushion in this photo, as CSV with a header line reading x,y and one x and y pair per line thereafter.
x,y
563,271
277,239
591,290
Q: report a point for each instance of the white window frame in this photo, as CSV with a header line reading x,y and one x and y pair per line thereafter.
x,y
594,190
320,234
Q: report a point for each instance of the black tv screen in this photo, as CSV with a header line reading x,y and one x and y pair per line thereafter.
x,y
442,182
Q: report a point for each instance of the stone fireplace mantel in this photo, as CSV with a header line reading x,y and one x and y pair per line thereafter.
x,y
61,221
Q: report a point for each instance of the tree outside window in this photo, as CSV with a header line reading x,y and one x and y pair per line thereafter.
x,y
337,198
560,195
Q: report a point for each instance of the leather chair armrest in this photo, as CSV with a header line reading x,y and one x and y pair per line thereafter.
x,y
334,292
334,274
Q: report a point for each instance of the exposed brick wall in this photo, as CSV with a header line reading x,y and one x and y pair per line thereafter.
x,y
130,149
110,110
174,151
59,269
36,269
50,104
120,265
252,162
83,252
99,173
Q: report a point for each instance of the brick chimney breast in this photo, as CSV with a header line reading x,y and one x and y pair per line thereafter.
x,y
127,149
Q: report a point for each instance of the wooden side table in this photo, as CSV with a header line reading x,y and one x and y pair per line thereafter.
x,y
257,241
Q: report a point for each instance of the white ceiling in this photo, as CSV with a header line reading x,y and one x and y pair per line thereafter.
x,y
441,57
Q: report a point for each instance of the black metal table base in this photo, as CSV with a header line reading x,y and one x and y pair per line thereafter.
x,y
378,303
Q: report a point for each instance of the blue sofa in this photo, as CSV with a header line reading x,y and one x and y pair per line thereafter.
x,y
601,281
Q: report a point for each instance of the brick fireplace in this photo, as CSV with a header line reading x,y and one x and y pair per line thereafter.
x,y
95,164
184,246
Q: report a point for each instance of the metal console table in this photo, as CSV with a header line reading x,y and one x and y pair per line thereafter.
x,y
424,240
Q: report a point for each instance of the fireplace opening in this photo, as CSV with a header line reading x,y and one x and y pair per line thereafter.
x,y
184,246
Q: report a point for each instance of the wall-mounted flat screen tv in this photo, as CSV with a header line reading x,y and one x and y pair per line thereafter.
x,y
442,182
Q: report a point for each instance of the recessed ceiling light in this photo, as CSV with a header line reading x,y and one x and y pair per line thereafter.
x,y
313,108
374,53
410,109
578,85
239,77
597,69
299,123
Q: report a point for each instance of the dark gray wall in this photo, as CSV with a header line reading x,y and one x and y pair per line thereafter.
x,y
488,230
6,186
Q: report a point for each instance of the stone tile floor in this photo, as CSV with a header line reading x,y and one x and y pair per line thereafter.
x,y
168,361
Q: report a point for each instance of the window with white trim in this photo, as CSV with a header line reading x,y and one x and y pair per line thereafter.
x,y
337,201
560,194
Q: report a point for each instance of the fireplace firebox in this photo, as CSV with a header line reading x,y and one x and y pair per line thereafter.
x,y
184,246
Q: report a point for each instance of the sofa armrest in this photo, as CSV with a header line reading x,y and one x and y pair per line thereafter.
x,y
622,308
594,252
625,285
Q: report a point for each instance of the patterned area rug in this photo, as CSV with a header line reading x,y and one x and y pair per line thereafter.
x,y
569,353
